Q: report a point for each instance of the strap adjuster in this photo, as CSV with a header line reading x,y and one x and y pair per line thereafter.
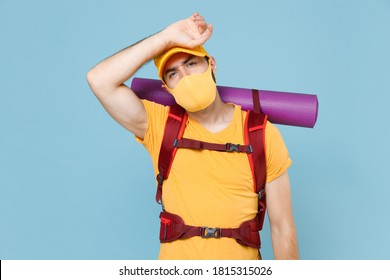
x,y
261,194
230,147
160,179
206,232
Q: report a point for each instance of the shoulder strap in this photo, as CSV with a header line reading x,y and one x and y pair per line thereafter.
x,y
255,136
256,100
174,129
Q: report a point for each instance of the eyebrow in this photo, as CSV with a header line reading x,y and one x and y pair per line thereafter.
x,y
182,63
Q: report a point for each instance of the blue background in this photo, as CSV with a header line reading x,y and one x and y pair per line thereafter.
x,y
75,185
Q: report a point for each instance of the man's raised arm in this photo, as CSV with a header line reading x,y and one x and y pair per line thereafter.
x,y
107,78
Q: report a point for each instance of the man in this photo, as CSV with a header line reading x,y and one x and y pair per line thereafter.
x,y
205,188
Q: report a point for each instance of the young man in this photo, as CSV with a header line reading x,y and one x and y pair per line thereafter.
x,y
205,187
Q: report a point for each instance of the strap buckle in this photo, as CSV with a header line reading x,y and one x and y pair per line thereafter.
x,y
230,147
206,232
160,179
261,194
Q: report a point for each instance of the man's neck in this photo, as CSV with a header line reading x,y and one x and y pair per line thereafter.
x,y
216,117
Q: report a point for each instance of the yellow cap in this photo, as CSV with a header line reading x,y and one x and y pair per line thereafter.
x,y
161,59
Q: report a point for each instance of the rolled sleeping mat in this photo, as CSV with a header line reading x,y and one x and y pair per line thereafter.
x,y
285,108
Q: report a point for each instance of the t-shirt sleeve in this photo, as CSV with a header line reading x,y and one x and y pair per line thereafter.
x,y
156,118
277,156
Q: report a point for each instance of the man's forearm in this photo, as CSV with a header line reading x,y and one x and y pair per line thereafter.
x,y
285,244
118,68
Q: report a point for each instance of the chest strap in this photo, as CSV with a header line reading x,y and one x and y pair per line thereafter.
x,y
200,145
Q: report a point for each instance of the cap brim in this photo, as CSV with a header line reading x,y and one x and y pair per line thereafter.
x,y
167,55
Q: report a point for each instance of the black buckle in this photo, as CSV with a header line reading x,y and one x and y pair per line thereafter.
x,y
206,232
261,194
230,147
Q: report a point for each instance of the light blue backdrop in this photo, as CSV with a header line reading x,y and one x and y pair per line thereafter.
x,y
75,185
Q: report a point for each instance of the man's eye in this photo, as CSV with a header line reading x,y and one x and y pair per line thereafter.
x,y
191,63
171,75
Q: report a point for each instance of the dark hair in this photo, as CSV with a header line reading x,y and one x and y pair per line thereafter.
x,y
212,73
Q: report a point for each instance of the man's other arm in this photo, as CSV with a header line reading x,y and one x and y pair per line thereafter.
x,y
283,232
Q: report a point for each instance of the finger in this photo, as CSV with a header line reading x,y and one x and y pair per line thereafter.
x,y
194,16
200,20
202,28
203,37
208,32
201,24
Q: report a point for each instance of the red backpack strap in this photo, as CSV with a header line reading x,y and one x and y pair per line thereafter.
x,y
256,100
200,145
174,129
255,136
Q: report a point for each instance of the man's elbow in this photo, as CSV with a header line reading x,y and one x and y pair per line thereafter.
x,y
97,84
93,80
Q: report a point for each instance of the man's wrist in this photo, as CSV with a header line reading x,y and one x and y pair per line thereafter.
x,y
164,40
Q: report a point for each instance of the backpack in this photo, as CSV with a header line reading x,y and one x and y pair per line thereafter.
x,y
172,226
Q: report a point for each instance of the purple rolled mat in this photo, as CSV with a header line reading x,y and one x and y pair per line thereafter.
x,y
286,108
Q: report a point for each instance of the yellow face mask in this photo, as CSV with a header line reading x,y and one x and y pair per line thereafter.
x,y
195,92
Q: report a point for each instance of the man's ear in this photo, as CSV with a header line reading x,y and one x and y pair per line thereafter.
x,y
213,64
164,86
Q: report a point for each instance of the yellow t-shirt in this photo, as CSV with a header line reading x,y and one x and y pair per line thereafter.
x,y
209,188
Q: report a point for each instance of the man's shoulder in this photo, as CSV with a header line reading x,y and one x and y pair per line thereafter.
x,y
154,108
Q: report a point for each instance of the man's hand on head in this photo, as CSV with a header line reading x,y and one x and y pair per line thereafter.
x,y
190,32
